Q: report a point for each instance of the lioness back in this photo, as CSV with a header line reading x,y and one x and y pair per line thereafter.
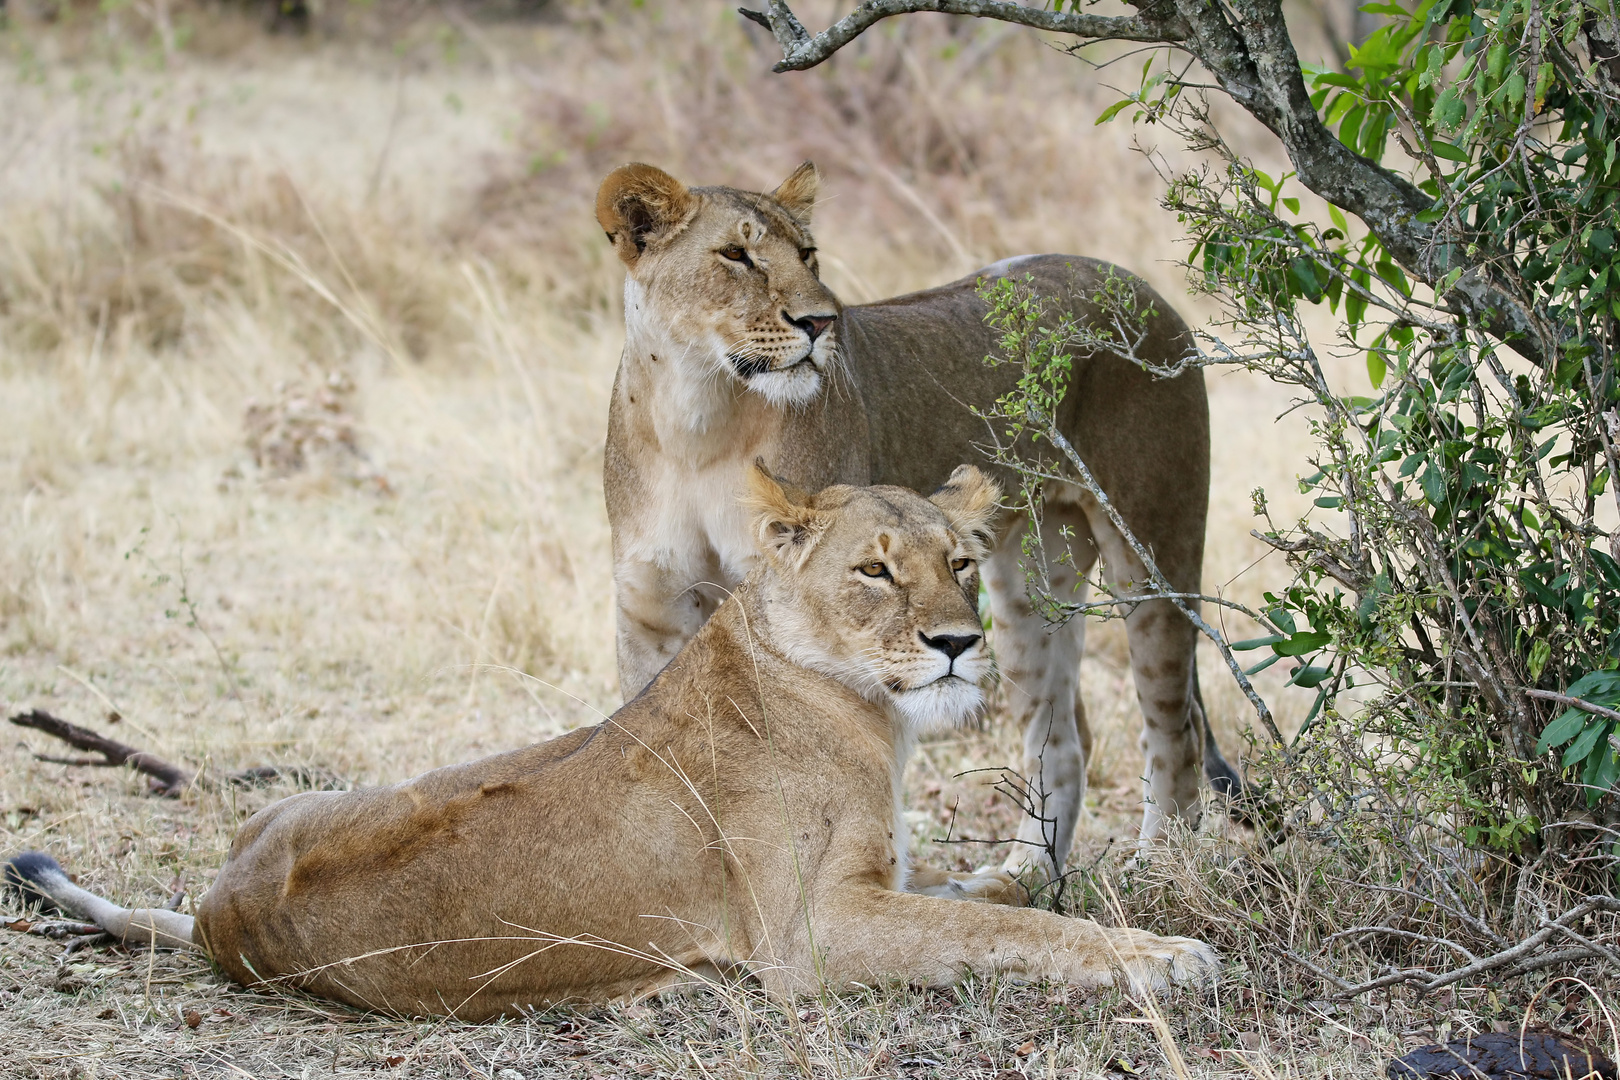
x,y
919,361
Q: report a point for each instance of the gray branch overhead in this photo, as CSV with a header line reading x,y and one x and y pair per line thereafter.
x,y
1247,48
800,50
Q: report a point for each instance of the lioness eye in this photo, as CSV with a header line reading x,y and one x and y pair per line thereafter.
x,y
805,253
874,569
736,254
960,565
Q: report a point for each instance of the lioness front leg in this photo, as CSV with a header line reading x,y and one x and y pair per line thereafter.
x,y
868,935
659,608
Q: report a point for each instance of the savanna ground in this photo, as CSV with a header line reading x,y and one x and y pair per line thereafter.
x,y
305,350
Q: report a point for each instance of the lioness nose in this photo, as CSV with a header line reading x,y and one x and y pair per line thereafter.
x,y
812,325
952,645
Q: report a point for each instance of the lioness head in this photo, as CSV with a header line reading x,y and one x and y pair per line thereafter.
x,y
878,587
730,273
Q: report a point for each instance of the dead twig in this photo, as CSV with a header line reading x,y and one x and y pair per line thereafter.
x,y
163,777
1519,959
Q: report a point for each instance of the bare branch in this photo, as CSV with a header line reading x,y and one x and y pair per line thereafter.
x,y
1518,959
800,50
165,778
1573,703
1160,583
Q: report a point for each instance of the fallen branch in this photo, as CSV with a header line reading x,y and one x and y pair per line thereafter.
x,y
163,777
1519,959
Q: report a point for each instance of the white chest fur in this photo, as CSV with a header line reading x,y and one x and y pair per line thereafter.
x,y
707,429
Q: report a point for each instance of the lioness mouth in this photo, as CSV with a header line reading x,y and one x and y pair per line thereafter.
x,y
747,367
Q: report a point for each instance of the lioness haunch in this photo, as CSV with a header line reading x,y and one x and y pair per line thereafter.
x,y
742,814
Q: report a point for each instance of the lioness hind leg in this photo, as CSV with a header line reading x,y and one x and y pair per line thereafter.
x,y
1163,644
1040,671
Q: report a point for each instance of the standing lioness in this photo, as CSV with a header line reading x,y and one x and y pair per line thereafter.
x,y
741,814
734,349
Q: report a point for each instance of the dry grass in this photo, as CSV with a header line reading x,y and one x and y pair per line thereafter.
x,y
196,223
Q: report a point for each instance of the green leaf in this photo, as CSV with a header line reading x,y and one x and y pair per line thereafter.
x,y
1496,60
1113,111
1540,653
1448,152
1449,109
1255,643
1376,369
1603,777
1300,644
1584,742
1309,677
1560,731
1262,665
1597,687
1434,487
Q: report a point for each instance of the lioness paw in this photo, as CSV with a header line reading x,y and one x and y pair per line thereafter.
x,y
990,887
1157,963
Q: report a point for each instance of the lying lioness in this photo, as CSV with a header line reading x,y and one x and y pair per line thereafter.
x,y
740,815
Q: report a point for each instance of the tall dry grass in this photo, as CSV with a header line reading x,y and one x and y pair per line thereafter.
x,y
200,225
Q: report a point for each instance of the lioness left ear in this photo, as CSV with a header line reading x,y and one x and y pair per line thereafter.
x,y
786,526
638,203
797,194
970,502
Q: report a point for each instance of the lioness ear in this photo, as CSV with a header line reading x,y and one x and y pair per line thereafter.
x,y
797,194
969,499
637,203
787,527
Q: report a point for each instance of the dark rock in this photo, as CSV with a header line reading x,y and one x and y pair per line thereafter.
x,y
1537,1055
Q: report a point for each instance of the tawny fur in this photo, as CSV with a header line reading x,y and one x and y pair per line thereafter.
x,y
721,366
739,815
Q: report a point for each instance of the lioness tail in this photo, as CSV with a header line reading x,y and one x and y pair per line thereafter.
x,y
36,876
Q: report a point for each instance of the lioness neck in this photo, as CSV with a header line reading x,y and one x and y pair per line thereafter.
x,y
694,411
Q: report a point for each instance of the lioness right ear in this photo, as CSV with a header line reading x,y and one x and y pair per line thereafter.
x,y
797,194
786,526
637,203
971,502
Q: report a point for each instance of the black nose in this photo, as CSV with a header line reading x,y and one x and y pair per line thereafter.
x,y
812,325
952,645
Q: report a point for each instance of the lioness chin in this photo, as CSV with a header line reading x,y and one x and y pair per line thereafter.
x,y
740,815
734,349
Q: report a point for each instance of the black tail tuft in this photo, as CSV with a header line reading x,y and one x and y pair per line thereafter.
x,y
25,877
